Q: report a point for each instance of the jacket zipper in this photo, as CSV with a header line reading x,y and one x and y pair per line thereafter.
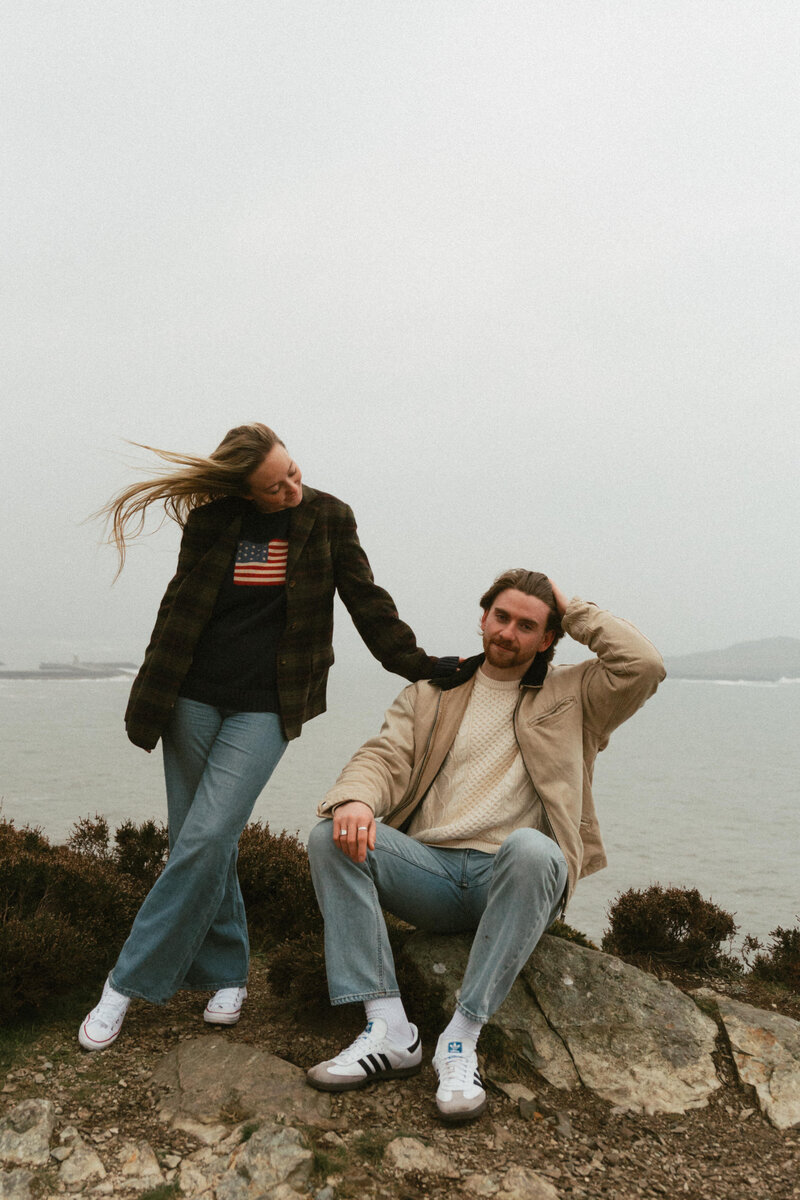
x,y
426,753
539,794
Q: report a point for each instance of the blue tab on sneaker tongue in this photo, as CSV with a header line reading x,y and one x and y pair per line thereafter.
x,y
369,1027
455,1048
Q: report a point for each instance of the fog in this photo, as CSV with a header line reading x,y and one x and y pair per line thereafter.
x,y
518,281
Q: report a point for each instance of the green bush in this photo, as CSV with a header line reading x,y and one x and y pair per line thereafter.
x,y
781,961
671,925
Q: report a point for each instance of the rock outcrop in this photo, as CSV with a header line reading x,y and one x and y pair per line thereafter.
x,y
580,1016
25,1133
766,1051
208,1081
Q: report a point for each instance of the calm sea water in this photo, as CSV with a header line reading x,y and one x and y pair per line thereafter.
x,y
700,789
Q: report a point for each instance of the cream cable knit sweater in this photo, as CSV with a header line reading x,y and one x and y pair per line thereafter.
x,y
482,792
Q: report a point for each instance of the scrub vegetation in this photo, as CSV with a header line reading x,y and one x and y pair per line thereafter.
x,y
64,911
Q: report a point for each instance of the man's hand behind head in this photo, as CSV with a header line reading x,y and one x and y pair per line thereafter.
x,y
559,597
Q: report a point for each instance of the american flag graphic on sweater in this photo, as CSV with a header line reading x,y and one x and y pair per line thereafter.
x,y
261,564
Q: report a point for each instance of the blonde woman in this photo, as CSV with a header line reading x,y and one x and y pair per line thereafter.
x,y
237,662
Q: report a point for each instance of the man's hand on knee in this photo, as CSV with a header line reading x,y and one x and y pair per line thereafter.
x,y
354,829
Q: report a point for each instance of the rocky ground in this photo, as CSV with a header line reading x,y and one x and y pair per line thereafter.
x,y
535,1140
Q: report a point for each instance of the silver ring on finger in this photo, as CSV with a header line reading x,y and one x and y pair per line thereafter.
x,y
342,832
362,828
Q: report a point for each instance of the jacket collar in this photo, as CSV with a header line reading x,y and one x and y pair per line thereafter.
x,y
533,677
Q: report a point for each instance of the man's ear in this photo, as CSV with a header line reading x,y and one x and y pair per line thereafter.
x,y
547,641
484,615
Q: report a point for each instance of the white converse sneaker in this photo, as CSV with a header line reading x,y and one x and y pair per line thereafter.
x,y
460,1095
370,1057
104,1022
225,1006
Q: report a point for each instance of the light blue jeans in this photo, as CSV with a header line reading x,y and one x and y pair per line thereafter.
x,y
508,898
191,931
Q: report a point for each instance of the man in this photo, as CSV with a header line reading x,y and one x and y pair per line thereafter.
x,y
482,781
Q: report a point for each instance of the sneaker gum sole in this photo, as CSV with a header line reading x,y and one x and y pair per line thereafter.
x,y
352,1085
459,1118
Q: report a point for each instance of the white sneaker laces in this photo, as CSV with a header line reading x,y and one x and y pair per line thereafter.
x,y
225,996
109,1010
456,1070
361,1046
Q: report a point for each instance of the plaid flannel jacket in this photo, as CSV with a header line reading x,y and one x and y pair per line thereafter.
x,y
325,556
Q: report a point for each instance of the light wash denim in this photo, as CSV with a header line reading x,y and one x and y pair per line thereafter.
x,y
508,898
191,931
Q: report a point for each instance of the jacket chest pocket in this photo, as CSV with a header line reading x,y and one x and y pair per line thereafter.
x,y
556,712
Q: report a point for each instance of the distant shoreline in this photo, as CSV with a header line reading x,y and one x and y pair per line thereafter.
x,y
756,680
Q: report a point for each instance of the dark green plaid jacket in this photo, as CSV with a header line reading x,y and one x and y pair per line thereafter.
x,y
325,556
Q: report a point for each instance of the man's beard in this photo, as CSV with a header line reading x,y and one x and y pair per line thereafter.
x,y
498,655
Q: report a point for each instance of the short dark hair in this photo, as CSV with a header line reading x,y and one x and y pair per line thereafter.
x,y
532,583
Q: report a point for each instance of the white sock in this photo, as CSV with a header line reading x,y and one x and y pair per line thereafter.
x,y
463,1029
390,1009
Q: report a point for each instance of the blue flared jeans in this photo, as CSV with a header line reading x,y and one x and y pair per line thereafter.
x,y
191,931
508,898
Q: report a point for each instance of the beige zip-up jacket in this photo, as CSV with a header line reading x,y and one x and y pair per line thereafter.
x,y
564,716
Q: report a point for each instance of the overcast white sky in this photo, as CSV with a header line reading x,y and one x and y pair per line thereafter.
x,y
517,280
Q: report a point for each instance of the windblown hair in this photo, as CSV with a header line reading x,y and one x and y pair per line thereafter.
x,y
532,583
223,473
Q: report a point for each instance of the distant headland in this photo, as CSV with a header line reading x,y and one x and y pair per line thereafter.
x,y
74,670
766,661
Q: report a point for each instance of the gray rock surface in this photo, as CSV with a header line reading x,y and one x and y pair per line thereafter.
x,y
766,1051
16,1185
275,1157
273,1162
520,1183
82,1166
25,1133
410,1154
199,1176
634,1040
208,1080
481,1184
139,1166
443,959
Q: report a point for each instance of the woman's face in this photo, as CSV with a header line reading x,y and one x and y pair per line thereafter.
x,y
275,484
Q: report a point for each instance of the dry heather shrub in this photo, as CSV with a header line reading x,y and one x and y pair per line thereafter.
x,y
43,956
569,933
140,851
63,917
276,885
297,974
674,925
780,962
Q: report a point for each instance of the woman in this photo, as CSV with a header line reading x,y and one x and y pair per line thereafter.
x,y
237,662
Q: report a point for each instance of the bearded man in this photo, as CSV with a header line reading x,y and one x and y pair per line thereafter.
x,y
471,810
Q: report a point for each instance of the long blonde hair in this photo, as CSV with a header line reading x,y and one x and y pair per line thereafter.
x,y
224,473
